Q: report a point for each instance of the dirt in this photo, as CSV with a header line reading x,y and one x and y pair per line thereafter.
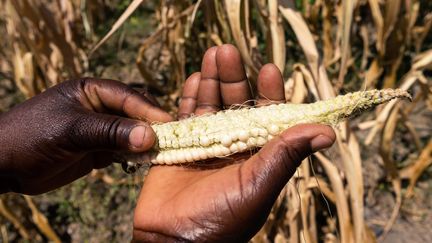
x,y
414,221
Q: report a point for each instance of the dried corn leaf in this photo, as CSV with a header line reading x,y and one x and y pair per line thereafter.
x,y
277,36
9,215
408,81
414,171
379,23
295,87
328,49
126,14
344,217
423,61
306,41
347,12
322,186
41,221
233,9
386,153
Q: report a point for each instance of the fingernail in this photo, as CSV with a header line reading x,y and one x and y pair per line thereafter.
x,y
320,142
136,136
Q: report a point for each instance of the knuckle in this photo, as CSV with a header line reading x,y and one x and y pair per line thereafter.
x,y
95,132
292,150
113,131
128,99
83,82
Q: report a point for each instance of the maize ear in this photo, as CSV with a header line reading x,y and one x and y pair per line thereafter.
x,y
231,131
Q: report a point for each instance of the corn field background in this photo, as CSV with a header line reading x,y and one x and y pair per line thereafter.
x,y
373,185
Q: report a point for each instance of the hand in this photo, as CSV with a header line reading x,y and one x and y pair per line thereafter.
x,y
228,204
66,131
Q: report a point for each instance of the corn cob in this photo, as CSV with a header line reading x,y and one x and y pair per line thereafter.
x,y
232,131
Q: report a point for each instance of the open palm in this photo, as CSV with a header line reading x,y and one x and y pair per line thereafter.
x,y
231,203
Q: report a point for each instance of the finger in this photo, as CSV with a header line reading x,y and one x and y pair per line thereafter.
x,y
234,85
188,102
150,98
209,88
270,85
97,131
270,169
116,96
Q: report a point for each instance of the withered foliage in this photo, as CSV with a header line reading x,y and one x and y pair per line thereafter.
x,y
324,48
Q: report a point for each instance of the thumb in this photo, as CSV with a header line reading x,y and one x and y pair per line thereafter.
x,y
94,131
276,162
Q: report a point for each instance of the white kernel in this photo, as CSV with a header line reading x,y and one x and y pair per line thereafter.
x,y
189,141
234,148
243,135
161,158
270,137
169,159
225,151
264,120
182,141
254,132
272,107
262,132
175,144
202,153
226,140
273,129
261,141
188,155
168,143
204,141
234,136
210,152
162,143
195,154
217,150
195,141
180,158
242,146
252,142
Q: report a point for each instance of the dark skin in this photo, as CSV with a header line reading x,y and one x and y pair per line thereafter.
x,y
228,204
65,132
68,130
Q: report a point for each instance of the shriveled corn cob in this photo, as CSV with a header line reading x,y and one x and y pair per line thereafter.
x,y
231,131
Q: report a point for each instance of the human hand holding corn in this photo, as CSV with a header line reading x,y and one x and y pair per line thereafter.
x,y
65,132
70,129
228,204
